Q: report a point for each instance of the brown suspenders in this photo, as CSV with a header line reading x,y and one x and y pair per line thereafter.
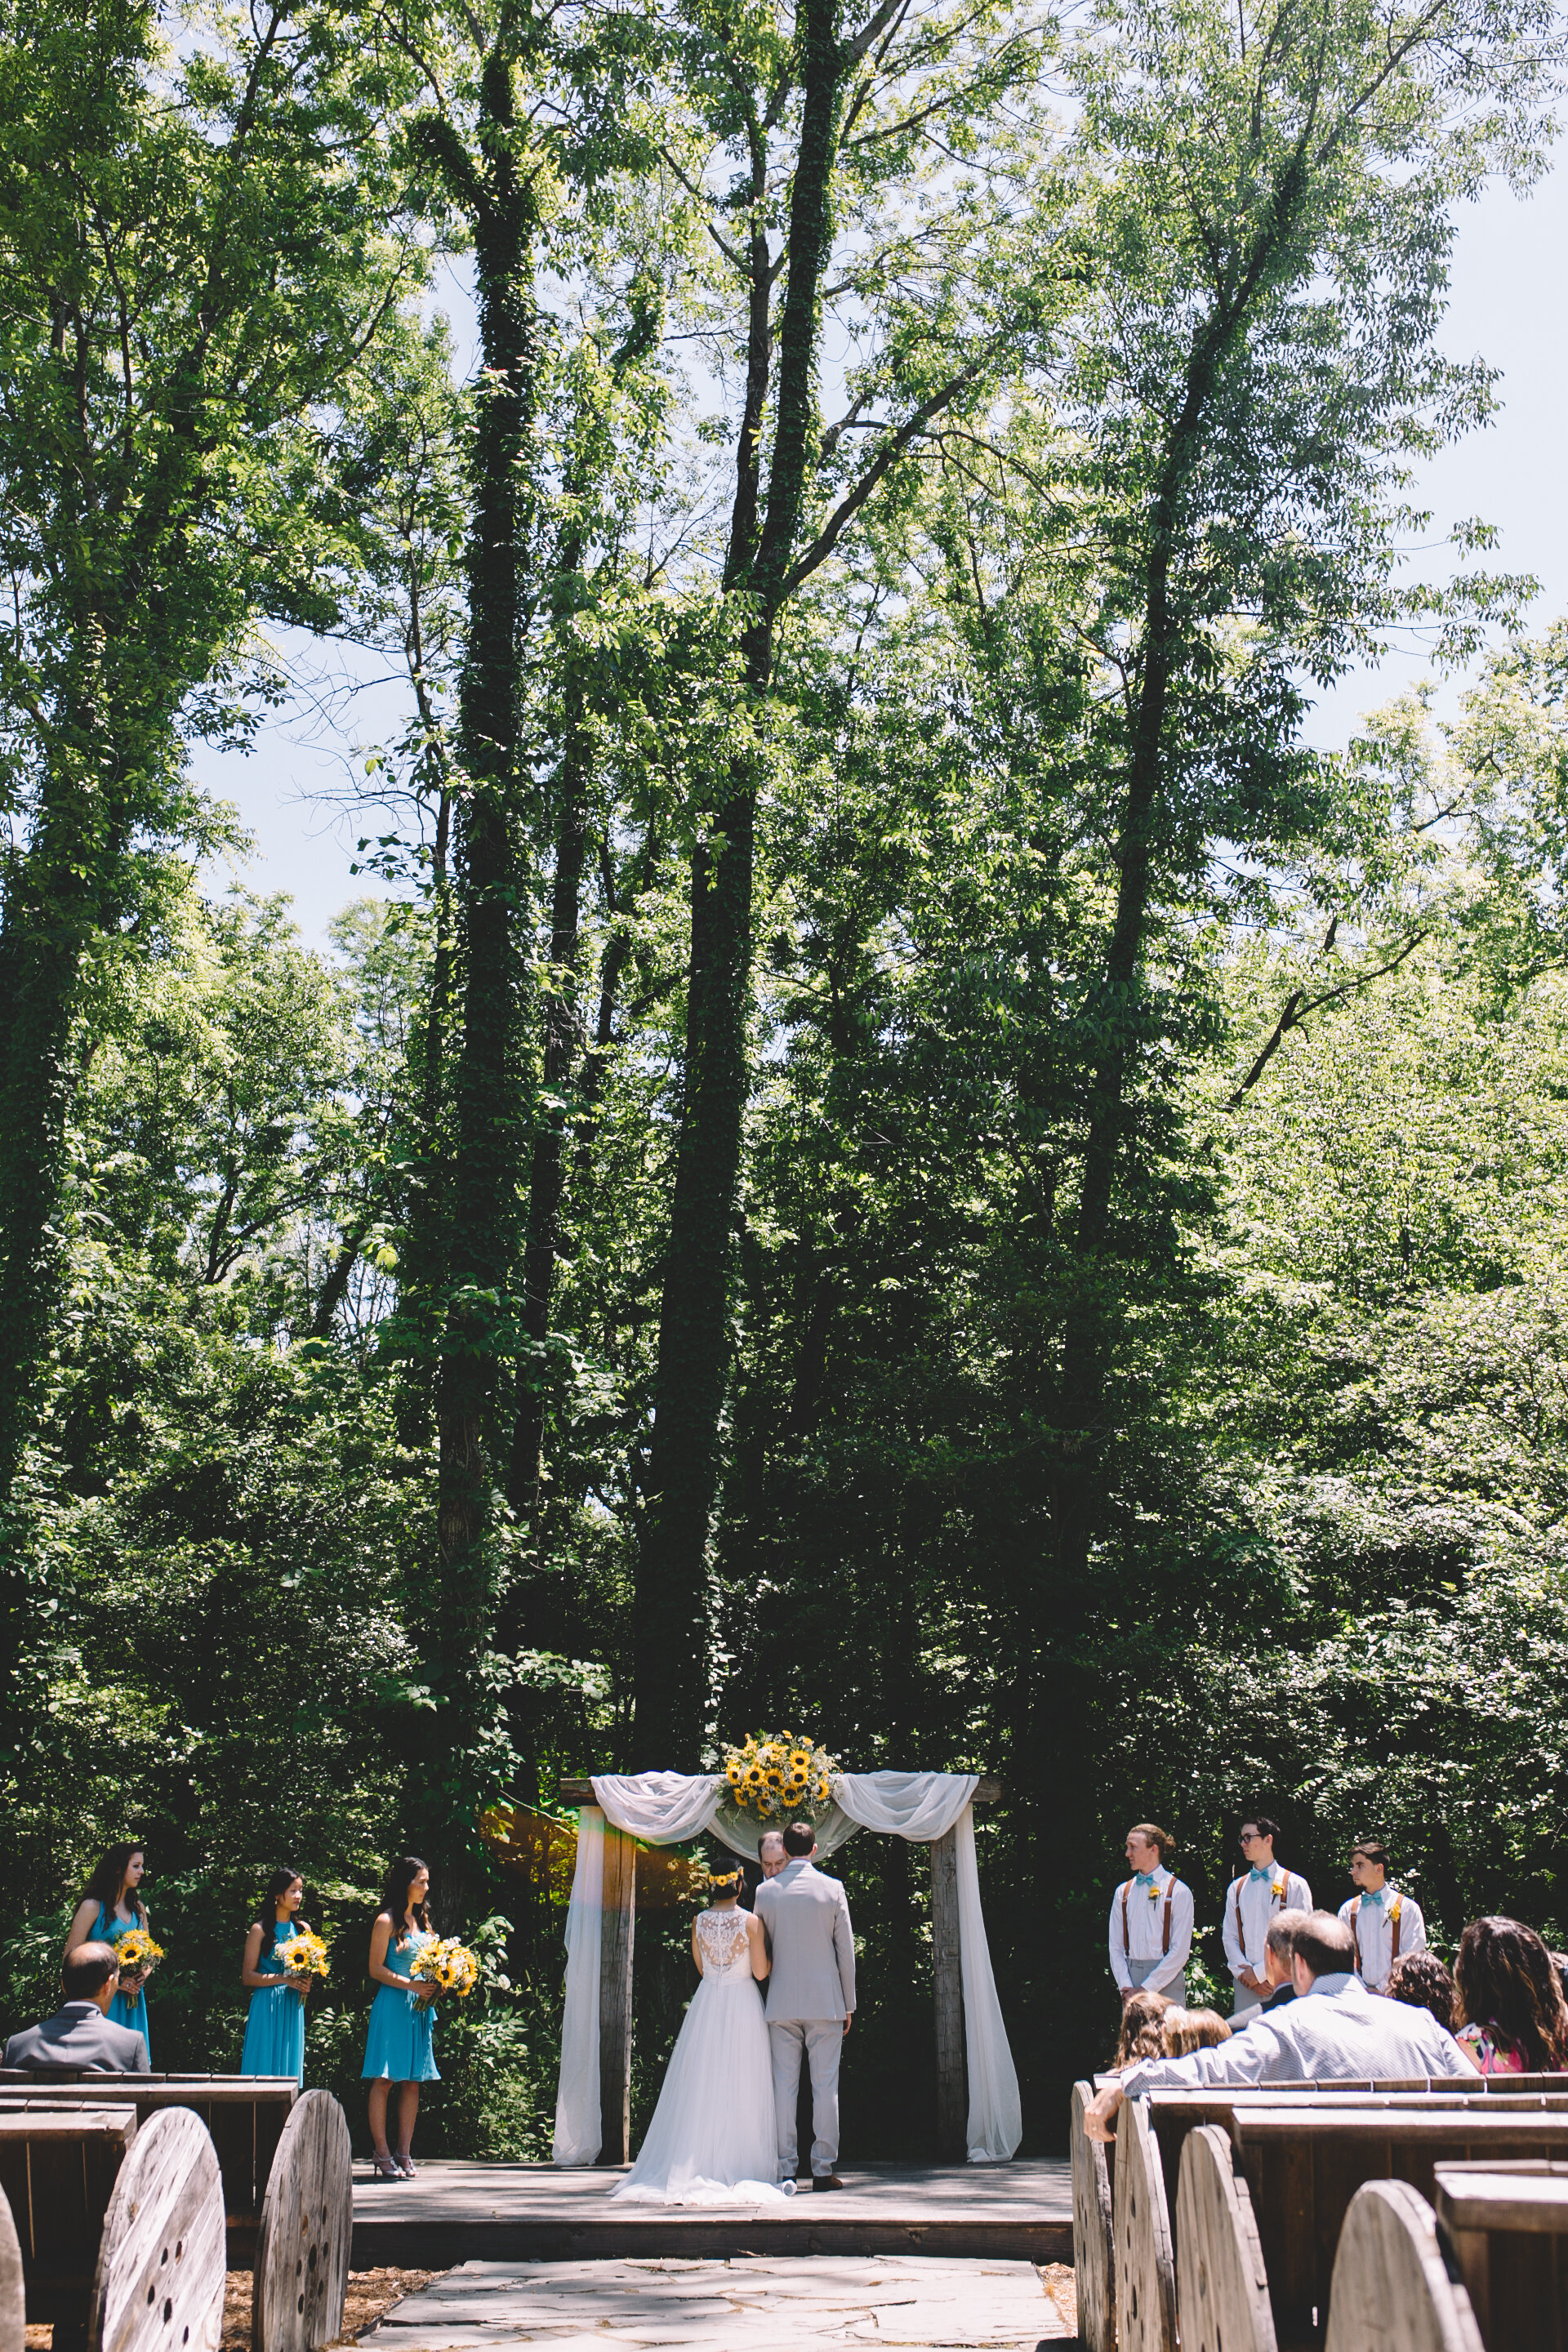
x,y
1126,1932
1394,1911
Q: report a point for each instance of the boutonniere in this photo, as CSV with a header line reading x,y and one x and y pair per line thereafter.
x,y
1279,1889
1153,1892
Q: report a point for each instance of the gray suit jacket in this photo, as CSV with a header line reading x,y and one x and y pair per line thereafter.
x,y
78,2035
805,1918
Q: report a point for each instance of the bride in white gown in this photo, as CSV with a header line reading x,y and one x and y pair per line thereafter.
x,y
713,2141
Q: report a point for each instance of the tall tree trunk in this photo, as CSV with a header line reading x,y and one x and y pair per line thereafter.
x,y
672,1630
490,1118
547,1171
62,893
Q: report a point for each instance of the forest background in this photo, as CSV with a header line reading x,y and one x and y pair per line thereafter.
x,y
896,1152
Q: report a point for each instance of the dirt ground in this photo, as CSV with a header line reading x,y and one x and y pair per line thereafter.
x,y
371,2295
1059,2286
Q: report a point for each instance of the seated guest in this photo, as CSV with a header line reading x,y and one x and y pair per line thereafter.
x,y
1185,2030
79,2033
1140,2035
1333,2032
1421,1982
1278,1949
1509,2009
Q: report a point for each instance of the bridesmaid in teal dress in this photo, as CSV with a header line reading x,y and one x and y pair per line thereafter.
x,y
110,1906
398,2054
275,2029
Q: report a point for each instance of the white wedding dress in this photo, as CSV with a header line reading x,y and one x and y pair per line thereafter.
x,y
713,2141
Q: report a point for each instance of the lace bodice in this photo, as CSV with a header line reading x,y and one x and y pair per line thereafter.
x,y
722,1940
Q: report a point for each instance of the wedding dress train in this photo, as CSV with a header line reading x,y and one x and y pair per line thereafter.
x,y
713,2139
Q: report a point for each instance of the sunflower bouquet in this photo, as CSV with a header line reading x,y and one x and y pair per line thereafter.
x,y
304,1956
447,1965
136,1951
774,1776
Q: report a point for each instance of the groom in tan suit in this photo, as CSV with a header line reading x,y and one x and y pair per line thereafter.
x,y
810,1997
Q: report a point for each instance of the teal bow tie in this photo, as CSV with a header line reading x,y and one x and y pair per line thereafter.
x,y
1145,1878
1376,1898
1256,1872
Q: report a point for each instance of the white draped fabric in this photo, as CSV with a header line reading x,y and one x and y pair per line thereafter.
x,y
671,1809
924,1806
577,2131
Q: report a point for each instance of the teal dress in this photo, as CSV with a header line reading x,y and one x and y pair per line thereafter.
x,y
107,1929
398,2047
275,2029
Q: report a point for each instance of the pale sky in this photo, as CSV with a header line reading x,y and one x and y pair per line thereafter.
x,y
1507,306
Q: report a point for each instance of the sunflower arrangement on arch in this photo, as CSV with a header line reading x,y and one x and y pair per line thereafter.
x,y
776,1775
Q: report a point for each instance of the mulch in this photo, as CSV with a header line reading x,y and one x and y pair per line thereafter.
x,y
371,2296
1062,2289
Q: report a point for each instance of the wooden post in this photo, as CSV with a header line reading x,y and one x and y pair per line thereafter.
x,y
616,1997
952,2073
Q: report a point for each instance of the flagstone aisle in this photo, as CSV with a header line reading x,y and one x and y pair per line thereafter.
x,y
768,2303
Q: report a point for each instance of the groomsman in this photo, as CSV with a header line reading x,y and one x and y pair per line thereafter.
x,y
1252,1903
1386,1922
1150,1920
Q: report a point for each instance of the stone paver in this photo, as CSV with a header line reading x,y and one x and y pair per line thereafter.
x,y
767,2303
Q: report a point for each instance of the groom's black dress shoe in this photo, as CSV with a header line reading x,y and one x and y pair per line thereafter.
x,y
826,2180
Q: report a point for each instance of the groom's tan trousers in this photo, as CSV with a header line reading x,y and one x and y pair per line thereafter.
x,y
822,2040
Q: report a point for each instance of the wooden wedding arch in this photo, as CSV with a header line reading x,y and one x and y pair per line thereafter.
x,y
615,1981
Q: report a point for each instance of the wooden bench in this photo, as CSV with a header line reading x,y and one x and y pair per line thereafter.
x,y
13,2287
120,2227
1507,2225
1179,2112
297,2236
57,2170
244,2114
1392,2287
1302,2162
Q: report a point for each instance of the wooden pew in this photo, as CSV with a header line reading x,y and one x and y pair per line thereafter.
x,y
13,2287
1145,2288
122,2227
1222,2287
1093,2232
307,2227
1391,2283
57,2170
1508,2226
286,2184
1303,2161
244,2114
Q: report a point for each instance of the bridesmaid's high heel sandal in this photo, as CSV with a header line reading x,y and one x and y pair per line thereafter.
x,y
384,2168
405,2166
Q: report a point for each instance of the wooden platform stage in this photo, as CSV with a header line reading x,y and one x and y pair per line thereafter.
x,y
454,2213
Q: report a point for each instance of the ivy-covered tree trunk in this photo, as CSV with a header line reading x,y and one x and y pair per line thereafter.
x,y
546,1181
672,1615
488,1111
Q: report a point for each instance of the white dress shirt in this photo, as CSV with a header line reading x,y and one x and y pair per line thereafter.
x,y
1262,1900
1337,2032
1374,1930
1145,1931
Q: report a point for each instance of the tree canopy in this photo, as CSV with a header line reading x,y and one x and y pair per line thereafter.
x,y
895,1147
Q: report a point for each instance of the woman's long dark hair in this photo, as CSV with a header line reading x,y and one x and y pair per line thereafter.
x,y
278,1887
394,1894
108,1881
1504,1978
